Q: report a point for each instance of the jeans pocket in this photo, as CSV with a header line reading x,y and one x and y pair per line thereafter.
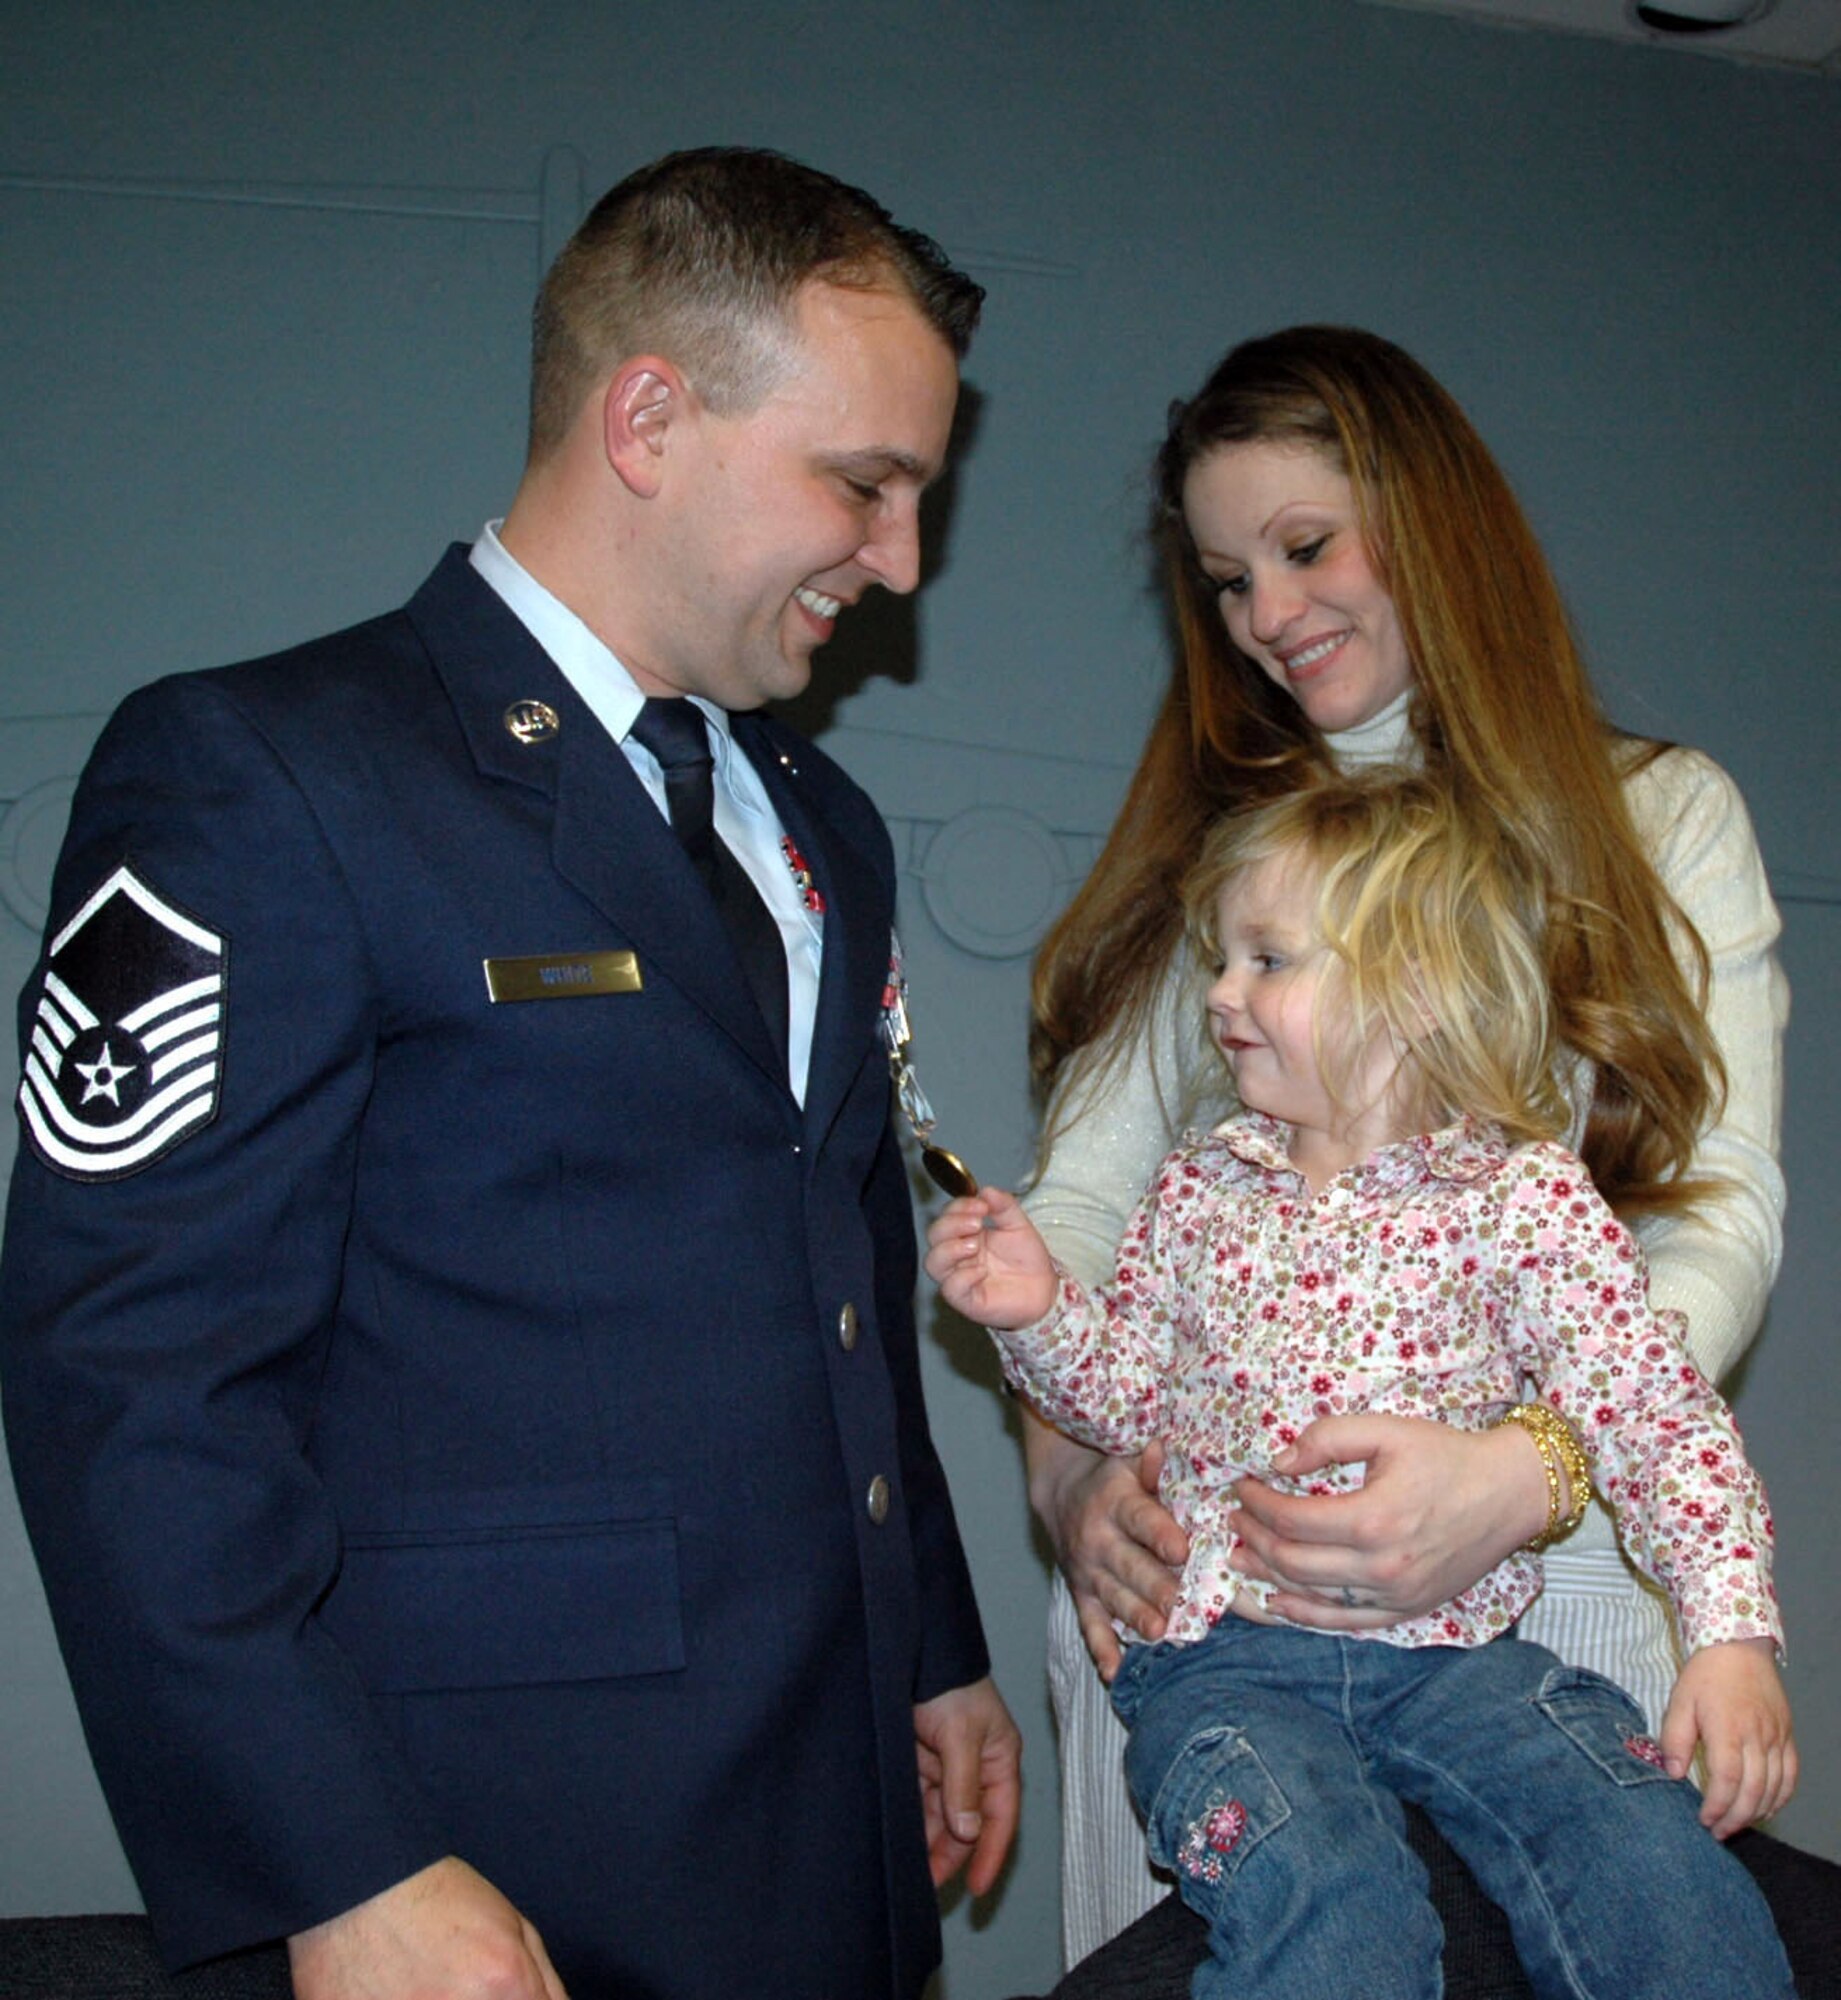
x,y
1211,1807
1598,1718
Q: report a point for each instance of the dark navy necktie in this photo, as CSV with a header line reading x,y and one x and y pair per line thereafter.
x,y
676,734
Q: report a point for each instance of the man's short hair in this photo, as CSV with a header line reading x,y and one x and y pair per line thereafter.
x,y
698,258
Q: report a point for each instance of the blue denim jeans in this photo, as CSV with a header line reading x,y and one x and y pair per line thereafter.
x,y
1270,1763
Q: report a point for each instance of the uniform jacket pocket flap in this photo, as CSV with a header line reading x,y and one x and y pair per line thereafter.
x,y
518,1608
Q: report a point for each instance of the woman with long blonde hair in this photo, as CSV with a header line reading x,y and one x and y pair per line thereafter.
x,y
1353,582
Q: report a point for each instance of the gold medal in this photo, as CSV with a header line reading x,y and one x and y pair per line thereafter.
x,y
946,1170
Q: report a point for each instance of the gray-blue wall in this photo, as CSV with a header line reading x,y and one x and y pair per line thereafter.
x,y
262,313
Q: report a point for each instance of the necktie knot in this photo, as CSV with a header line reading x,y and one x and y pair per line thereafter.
x,y
673,729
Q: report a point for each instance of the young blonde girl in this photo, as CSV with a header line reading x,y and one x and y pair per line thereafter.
x,y
1391,1225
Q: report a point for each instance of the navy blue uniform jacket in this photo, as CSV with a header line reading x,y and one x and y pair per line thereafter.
x,y
498,1429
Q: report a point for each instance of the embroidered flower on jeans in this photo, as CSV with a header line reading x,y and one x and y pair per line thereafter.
x,y
1647,1748
1212,1836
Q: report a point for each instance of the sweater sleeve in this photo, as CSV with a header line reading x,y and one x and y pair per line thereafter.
x,y
1717,1265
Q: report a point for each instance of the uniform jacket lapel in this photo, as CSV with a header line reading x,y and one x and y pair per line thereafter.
x,y
857,907
609,841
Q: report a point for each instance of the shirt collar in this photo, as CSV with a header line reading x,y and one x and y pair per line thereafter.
x,y
1467,1150
586,662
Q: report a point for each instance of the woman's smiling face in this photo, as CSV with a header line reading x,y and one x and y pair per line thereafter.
x,y
1275,530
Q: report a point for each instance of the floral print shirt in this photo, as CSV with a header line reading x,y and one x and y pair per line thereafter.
x,y
1432,1280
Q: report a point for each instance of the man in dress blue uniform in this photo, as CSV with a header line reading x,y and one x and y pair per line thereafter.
x,y
459,1357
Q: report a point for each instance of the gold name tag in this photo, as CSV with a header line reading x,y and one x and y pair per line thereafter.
x,y
572,976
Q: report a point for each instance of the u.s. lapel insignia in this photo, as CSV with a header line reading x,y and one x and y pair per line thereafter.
x,y
532,721
810,895
125,1047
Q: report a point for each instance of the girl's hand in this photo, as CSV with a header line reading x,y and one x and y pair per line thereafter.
x,y
1730,1700
989,1262
1120,1550
1439,1509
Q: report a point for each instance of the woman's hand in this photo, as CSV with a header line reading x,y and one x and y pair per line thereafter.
x,y
1119,1548
1439,1509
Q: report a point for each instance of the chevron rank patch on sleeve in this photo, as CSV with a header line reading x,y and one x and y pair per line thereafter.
x,y
125,1046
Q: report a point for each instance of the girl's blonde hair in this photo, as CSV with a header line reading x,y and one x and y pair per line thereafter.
x,y
1504,717
1433,926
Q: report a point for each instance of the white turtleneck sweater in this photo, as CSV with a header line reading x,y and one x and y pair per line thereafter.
x,y
1716,1267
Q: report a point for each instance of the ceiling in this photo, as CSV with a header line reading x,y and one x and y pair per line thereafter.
x,y
1804,34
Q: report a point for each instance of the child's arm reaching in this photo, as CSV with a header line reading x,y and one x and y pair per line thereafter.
x,y
1095,1365
989,1262
1730,1700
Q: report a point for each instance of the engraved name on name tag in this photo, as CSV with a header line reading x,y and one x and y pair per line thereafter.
x,y
575,975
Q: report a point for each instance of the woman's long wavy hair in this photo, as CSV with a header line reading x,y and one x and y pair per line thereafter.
x,y
1504,715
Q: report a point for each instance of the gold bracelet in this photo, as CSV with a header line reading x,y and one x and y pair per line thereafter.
x,y
1561,1452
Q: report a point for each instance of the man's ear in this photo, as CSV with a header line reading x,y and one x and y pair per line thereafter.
x,y
645,400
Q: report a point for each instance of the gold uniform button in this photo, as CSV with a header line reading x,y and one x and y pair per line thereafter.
x,y
878,1499
847,1328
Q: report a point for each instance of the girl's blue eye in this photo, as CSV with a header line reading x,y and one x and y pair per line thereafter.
x,y
1231,586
